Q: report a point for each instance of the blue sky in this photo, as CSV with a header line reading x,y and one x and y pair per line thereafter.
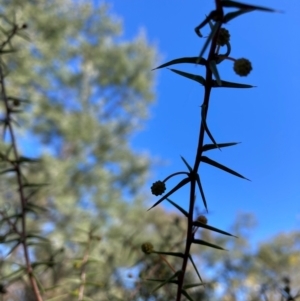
x,y
265,119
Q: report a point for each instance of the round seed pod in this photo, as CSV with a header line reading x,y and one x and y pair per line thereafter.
x,y
147,247
158,188
242,67
223,37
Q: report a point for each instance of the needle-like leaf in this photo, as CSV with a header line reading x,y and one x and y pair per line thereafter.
x,y
187,164
230,3
201,192
198,78
192,285
179,185
7,170
220,166
184,293
166,281
230,16
192,261
208,40
226,84
205,243
205,226
214,70
178,207
208,147
203,120
183,60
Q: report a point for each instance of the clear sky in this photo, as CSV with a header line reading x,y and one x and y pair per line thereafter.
x,y
265,119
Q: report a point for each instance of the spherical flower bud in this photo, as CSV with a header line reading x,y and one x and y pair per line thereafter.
x,y
147,247
242,67
223,37
202,219
16,102
158,188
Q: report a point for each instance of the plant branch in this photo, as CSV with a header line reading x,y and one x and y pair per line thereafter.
x,y
17,167
205,106
83,270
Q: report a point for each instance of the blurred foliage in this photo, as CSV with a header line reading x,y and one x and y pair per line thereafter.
x,y
84,91
247,272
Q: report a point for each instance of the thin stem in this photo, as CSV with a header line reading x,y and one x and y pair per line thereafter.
x,y
205,106
167,262
190,236
10,36
175,174
226,58
83,271
23,201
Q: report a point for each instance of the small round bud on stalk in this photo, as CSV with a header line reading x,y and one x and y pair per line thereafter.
x,y
223,37
147,248
202,219
158,188
242,67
